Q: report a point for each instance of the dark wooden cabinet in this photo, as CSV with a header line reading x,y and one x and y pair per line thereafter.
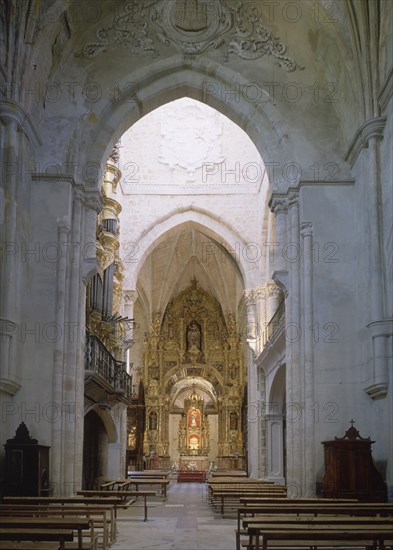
x,y
27,465
350,471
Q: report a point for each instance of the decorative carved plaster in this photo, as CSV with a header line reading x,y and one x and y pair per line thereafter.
x,y
252,40
371,128
129,30
192,26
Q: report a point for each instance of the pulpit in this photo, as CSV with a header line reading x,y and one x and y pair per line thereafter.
x,y
349,469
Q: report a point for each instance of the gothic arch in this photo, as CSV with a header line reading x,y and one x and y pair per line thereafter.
x,y
206,222
161,82
107,421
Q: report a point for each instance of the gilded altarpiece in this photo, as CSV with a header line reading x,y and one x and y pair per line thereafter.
x,y
193,340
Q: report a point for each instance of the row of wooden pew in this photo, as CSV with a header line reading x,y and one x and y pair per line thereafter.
x,y
313,523
80,522
67,523
266,518
225,492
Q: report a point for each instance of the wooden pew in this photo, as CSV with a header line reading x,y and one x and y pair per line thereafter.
x,y
119,496
101,516
107,507
250,506
316,534
14,534
231,490
157,474
25,545
232,497
316,509
163,483
40,523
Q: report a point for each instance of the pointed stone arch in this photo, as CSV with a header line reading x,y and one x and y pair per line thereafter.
x,y
206,222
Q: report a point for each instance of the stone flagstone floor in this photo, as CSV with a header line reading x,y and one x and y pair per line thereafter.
x,y
184,521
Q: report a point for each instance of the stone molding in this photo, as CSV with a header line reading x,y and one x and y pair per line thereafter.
x,y
385,95
373,127
12,110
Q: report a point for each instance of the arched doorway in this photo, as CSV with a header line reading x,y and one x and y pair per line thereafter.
x,y
99,433
276,428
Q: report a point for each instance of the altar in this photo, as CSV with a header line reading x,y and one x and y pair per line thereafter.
x,y
194,463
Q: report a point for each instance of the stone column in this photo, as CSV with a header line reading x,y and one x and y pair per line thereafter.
x,y
279,205
379,330
294,371
130,297
252,333
308,356
57,450
260,296
8,325
262,425
72,357
83,265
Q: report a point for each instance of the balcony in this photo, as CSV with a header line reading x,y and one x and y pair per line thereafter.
x,y
276,323
104,375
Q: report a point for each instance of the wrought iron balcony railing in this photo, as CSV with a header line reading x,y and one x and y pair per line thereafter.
x,y
100,361
276,322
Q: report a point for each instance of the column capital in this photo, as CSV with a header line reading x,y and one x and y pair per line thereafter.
x,y
278,204
306,229
130,297
272,290
63,225
249,297
93,200
293,199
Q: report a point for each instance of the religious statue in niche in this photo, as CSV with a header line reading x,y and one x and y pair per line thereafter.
x,y
233,370
194,418
153,421
233,420
194,336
